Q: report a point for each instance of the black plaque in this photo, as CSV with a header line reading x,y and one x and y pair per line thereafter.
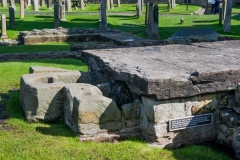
x,y
190,122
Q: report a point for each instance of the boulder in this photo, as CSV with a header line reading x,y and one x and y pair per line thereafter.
x,y
88,112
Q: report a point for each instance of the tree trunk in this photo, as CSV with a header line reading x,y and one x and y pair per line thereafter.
x,y
227,20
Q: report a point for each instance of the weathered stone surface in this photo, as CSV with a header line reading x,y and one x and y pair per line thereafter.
x,y
155,116
236,143
131,113
87,112
195,35
236,106
229,117
41,94
40,69
115,37
171,71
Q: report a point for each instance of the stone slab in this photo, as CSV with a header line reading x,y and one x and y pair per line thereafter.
x,y
171,71
199,34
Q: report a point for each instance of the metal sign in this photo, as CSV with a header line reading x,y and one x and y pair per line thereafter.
x,y
190,122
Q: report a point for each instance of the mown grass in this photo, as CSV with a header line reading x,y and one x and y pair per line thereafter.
x,y
42,47
179,9
38,141
168,24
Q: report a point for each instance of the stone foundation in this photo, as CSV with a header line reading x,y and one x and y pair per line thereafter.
x,y
145,88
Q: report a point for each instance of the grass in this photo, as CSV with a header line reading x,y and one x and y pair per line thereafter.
x,y
42,47
40,141
168,24
179,9
11,72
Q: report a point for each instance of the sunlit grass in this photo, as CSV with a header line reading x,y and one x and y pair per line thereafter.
x,y
38,141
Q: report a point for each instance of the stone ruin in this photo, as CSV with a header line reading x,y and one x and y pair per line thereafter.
x,y
154,93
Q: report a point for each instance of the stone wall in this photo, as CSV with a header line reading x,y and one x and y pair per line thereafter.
x,y
146,116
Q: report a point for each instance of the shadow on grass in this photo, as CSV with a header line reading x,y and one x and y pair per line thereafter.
x,y
42,16
59,129
205,21
123,17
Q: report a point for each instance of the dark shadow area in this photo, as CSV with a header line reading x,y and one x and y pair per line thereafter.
x,y
82,19
58,129
42,16
3,107
123,17
205,21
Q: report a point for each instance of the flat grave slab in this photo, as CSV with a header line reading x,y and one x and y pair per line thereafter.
x,y
171,71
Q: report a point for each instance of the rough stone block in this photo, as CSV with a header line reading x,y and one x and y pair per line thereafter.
x,y
237,99
131,113
41,93
155,116
41,97
87,112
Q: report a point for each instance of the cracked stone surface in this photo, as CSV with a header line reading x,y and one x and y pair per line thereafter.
x,y
171,71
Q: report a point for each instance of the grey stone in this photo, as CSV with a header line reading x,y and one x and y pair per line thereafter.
x,y
131,113
62,11
21,9
118,3
229,117
11,17
49,4
108,4
87,112
237,99
103,22
155,116
162,71
151,26
4,26
196,35
147,13
155,14
12,4
82,5
35,5
41,94
56,15
236,143
68,6
4,3
111,4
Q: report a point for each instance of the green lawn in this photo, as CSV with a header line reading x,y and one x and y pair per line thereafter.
x,y
168,24
179,9
40,141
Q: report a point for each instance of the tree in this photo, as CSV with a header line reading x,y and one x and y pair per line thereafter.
x,y
227,20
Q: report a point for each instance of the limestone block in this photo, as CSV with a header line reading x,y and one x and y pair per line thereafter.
x,y
87,112
155,116
41,93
